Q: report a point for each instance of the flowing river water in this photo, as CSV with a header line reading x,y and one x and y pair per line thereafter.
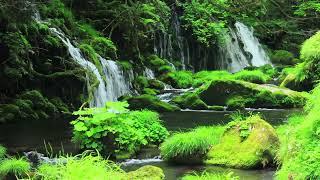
x,y
55,135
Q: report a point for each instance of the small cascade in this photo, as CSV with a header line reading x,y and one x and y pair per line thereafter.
x,y
169,93
100,93
241,49
251,44
149,73
117,83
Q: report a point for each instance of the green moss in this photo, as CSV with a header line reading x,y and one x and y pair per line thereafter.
x,y
150,102
216,108
155,84
126,65
164,69
210,176
245,144
191,147
91,55
104,46
190,101
146,173
239,93
203,77
155,61
236,103
140,83
255,76
179,79
282,57
150,91
17,167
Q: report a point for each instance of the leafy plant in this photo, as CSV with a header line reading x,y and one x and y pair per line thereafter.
x,y
18,167
114,129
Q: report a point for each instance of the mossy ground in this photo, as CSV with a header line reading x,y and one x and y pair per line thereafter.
x,y
245,144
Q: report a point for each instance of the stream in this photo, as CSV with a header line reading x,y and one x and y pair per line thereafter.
x,y
55,135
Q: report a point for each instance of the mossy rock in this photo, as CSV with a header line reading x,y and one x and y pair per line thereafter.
x,y
239,94
155,84
150,102
216,108
283,57
245,144
190,101
146,173
150,91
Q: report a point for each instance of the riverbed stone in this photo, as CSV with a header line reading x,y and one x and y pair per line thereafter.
x,y
190,101
146,173
245,144
150,102
224,92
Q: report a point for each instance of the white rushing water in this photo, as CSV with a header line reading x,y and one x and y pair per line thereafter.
x,y
241,49
116,85
100,93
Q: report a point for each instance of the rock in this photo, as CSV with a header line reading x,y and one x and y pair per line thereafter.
x,y
245,144
146,173
150,102
225,92
190,101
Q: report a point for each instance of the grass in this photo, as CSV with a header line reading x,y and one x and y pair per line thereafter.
x,y
210,176
18,167
82,167
181,146
299,154
3,151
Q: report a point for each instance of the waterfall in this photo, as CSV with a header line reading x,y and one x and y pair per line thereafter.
x,y
100,93
149,73
252,45
241,49
117,83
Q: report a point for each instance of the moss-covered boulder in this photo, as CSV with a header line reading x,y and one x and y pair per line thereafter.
x,y
146,173
190,101
245,144
150,102
242,94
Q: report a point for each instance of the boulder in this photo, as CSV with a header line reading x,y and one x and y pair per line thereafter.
x,y
150,102
226,92
190,101
245,144
146,173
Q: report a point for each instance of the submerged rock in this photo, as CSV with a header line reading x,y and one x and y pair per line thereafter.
x,y
150,102
239,94
245,144
146,173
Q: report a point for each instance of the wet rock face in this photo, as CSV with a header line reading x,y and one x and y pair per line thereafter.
x,y
246,144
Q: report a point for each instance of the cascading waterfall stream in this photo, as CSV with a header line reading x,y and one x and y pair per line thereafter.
x,y
117,83
100,93
241,49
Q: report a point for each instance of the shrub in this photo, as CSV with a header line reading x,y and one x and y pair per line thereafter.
x,y
255,76
18,167
282,57
114,129
190,146
310,49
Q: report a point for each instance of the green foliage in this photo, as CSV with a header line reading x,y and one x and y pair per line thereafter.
x,y
3,152
191,147
299,153
104,47
126,65
83,167
205,19
165,69
310,49
18,167
255,76
282,57
203,77
210,176
150,102
114,129
91,55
